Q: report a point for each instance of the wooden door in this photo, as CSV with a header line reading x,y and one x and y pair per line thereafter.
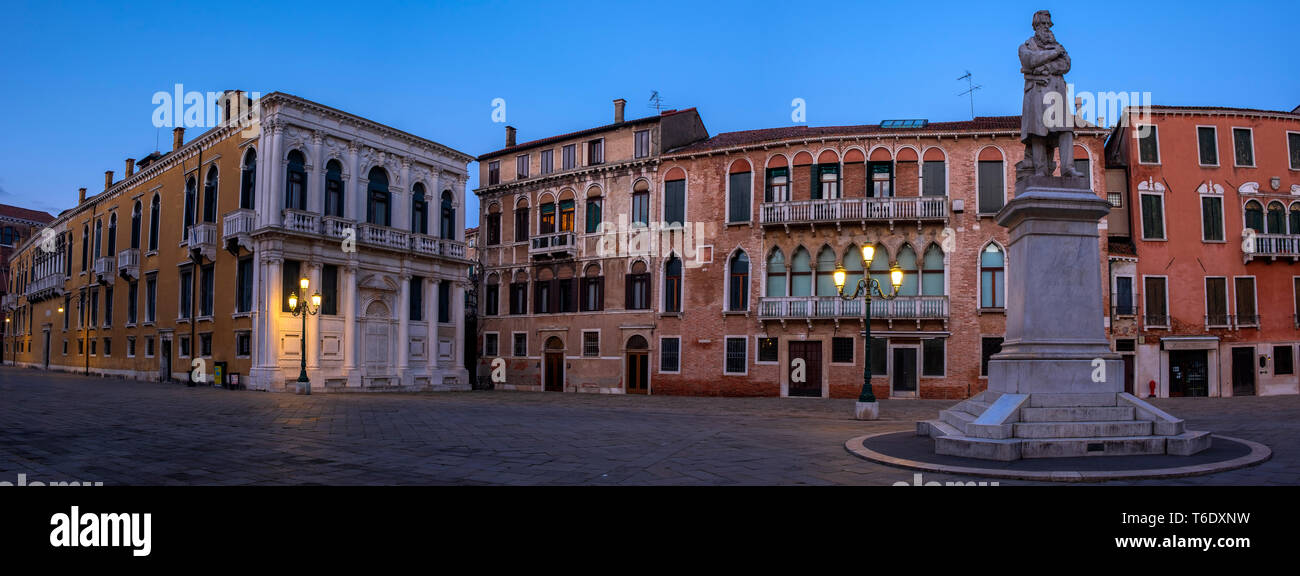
x,y
554,372
638,372
804,372
904,372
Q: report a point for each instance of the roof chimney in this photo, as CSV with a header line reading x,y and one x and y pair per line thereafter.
x,y
619,104
510,136
130,167
178,138
108,179
81,195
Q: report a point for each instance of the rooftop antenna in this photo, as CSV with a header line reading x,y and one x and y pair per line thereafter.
x,y
971,87
656,101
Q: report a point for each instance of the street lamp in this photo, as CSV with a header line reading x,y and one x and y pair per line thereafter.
x,y
865,285
304,309
13,361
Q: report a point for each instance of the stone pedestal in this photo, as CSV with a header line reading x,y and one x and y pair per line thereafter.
x,y
1056,389
867,411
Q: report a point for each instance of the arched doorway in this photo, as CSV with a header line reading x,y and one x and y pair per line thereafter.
x,y
377,327
638,366
553,365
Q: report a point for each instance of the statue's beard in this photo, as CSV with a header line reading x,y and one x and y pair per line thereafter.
x,y
1045,38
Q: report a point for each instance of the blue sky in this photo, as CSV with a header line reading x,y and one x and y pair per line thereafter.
x,y
80,77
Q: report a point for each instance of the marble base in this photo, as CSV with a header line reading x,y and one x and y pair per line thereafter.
x,y
866,411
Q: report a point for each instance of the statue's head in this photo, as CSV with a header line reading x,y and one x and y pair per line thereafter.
x,y
1043,26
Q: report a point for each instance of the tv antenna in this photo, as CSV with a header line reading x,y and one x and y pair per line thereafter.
x,y
971,87
656,101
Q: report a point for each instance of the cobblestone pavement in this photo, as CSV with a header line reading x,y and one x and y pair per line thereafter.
x,y
63,427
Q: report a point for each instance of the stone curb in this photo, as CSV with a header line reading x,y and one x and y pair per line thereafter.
x,y
1259,453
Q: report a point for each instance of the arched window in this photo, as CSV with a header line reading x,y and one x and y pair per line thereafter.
x,y
248,181
593,210
801,273
295,191
7,237
210,196
880,268
568,211
521,220
907,262
419,210
852,267
738,283
637,288
135,225
191,191
448,222
1276,218
334,189
85,245
1255,216
825,269
155,207
1295,218
593,289
673,284
776,279
934,173
99,237
378,198
992,278
546,216
112,235
932,272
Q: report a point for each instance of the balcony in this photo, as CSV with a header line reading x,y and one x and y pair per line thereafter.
x,y
1274,246
834,308
848,210
104,269
383,237
301,221
128,263
9,302
237,230
451,248
338,227
42,289
554,245
202,239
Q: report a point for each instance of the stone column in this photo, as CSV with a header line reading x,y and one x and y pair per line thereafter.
x,y
434,204
277,165
349,321
434,333
402,198
316,175
404,328
458,201
352,195
458,317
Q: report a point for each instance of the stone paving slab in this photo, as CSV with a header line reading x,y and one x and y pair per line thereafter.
x,y
65,427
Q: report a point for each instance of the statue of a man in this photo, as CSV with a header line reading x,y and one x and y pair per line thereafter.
x,y
1047,122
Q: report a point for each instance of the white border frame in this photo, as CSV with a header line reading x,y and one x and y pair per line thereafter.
x,y
512,344
1005,190
1168,314
485,351
1164,216
1205,297
725,340
660,365
1254,288
1159,148
921,373
1223,219
1218,156
758,362
726,198
582,352
1254,160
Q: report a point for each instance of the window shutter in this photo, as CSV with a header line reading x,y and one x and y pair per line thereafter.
x,y
628,303
600,293
814,187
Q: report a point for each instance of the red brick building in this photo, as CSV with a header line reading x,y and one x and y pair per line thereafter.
x,y
1216,225
16,224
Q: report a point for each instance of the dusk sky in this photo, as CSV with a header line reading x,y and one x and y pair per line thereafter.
x,y
80,78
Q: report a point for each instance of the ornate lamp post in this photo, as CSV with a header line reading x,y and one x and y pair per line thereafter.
x,y
304,309
867,400
12,353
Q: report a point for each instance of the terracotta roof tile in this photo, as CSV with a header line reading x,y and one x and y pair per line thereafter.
x,y
21,213
750,137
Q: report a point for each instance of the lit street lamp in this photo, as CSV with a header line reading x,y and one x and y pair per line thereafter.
x,y
864,288
302,308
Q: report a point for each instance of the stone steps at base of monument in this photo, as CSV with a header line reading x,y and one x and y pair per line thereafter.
x,y
1078,414
956,418
972,407
1074,447
935,429
1072,400
1115,428
982,448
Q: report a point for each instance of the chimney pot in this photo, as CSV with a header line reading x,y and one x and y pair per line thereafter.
x,y
178,138
81,195
619,105
130,167
108,179
510,136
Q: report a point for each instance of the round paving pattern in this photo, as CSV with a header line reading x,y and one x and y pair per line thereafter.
x,y
907,450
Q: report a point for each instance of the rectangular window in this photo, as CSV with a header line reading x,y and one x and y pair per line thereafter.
x,y
444,302
132,292
415,295
244,285
108,346
94,307
593,294
547,165
593,215
1148,145
1156,312
1211,219
207,290
591,344
1283,362
494,172
289,283
1243,147
148,346
596,152
67,311
1216,302
932,357
94,347
1293,146
882,180
521,223
988,347
670,355
243,344
739,197
1244,287
567,214
767,350
518,298
491,300
642,144
637,296
641,208
933,174
735,356
991,191
491,345
184,346
521,345
778,185
205,344
494,229
566,295
675,201
130,346
569,155
521,167
879,356
108,306
1153,217
841,350
1124,305
151,299
1208,145
546,219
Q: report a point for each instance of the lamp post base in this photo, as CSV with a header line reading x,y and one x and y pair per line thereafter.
x,y
866,411
302,388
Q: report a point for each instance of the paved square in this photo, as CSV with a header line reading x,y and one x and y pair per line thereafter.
x,y
64,427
